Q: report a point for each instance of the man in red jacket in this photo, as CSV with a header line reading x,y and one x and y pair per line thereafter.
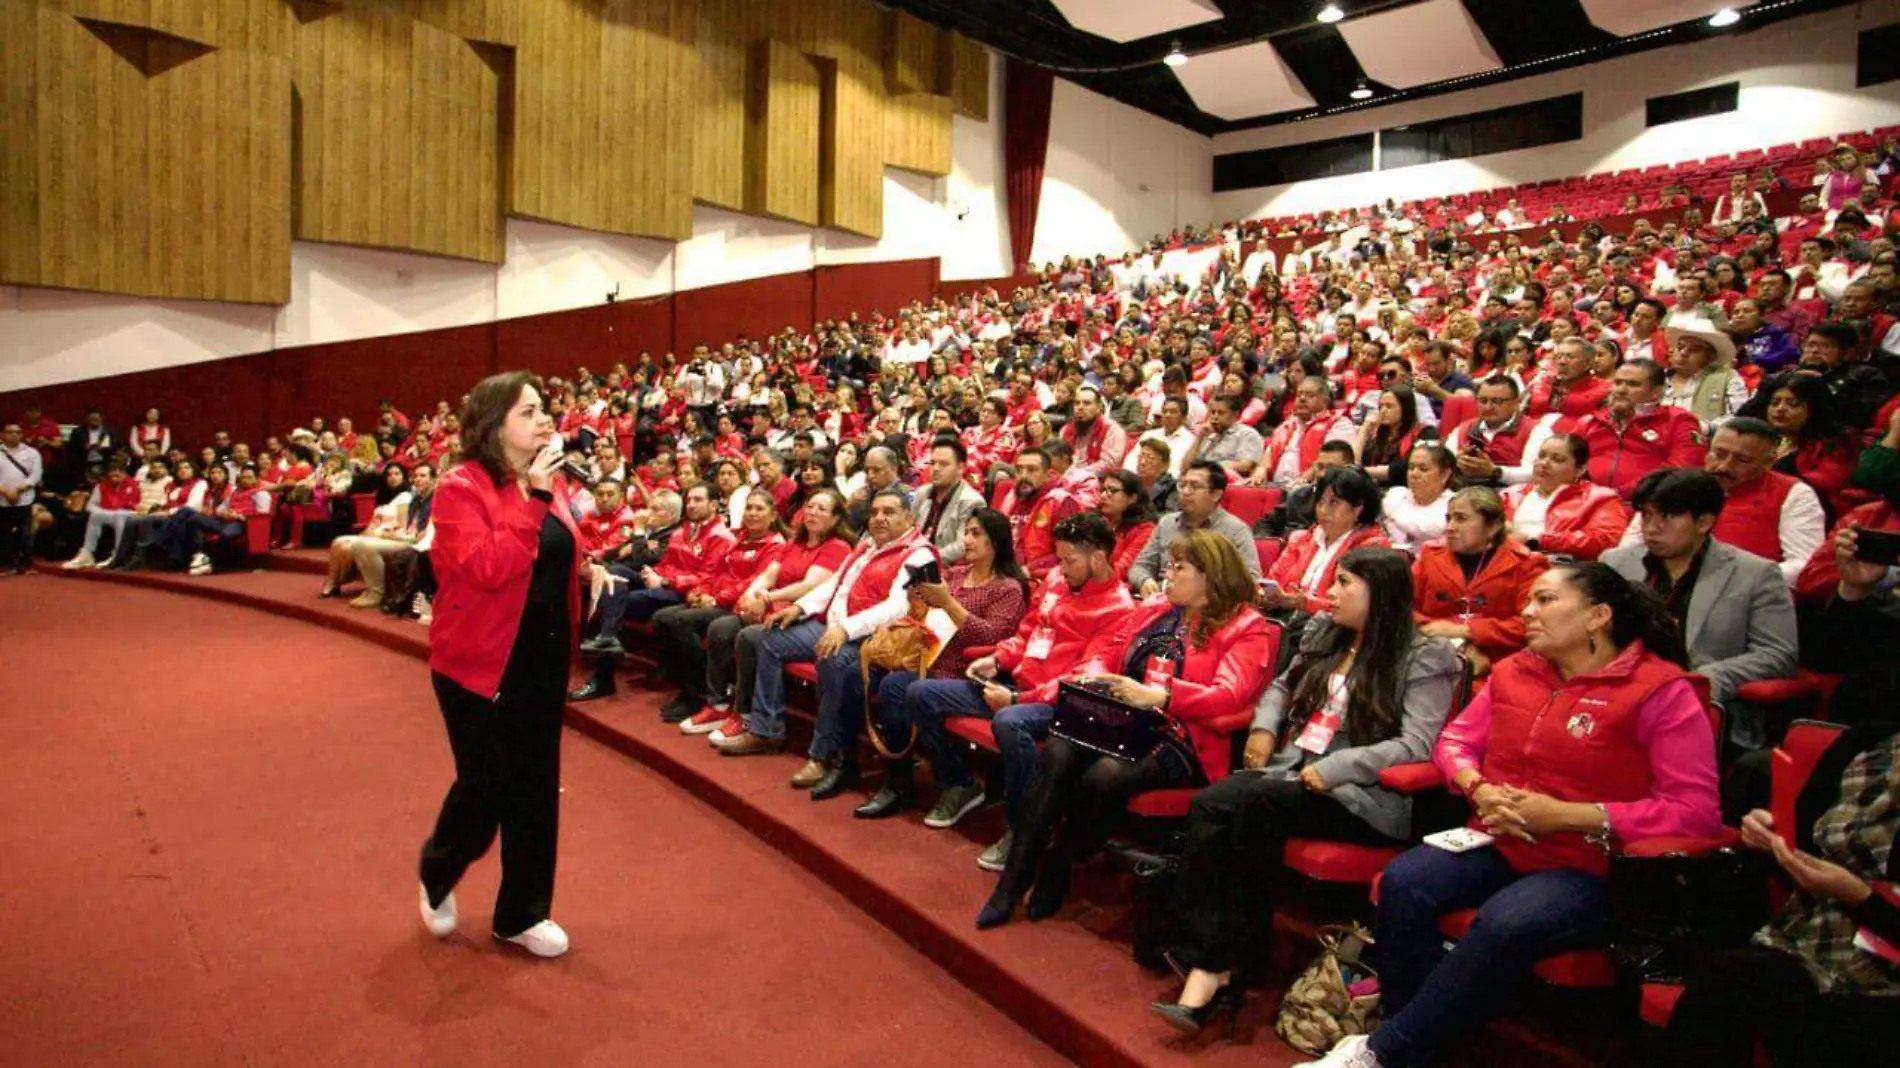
x,y
1571,388
692,555
1635,435
1069,623
1039,502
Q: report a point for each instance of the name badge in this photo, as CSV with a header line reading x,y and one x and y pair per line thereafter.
x,y
1160,672
1650,435
1040,645
1317,737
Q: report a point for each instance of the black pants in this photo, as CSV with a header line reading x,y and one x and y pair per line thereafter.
x,y
1236,834
16,536
682,633
507,776
1756,995
1074,800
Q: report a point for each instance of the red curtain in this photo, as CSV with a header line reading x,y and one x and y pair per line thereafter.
x,y
1027,92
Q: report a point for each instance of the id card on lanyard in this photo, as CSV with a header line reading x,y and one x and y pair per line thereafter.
x,y
1160,673
1317,736
1039,645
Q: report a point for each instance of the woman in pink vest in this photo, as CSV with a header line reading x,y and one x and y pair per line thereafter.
x,y
1589,739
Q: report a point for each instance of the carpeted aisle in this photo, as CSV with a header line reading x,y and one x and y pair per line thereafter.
x,y
208,859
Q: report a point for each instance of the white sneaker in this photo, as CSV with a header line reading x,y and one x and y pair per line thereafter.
x,y
201,564
83,560
544,939
1351,1052
440,920
420,605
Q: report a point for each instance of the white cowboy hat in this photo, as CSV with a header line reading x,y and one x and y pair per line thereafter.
x,y
1703,330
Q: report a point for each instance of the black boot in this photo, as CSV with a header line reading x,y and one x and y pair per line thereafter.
x,y
843,773
898,793
678,709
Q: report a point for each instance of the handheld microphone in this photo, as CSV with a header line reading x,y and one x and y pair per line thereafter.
x,y
577,473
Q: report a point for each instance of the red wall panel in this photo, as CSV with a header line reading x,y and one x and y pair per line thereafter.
x,y
872,287
265,393
756,308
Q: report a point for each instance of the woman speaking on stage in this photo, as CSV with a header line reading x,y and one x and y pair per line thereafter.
x,y
506,557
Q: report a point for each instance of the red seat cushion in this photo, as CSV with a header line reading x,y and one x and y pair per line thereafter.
x,y
1161,804
1659,1003
1337,862
1777,691
805,670
972,729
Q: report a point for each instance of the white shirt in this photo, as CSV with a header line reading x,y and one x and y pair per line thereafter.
x,y
1322,559
1410,524
889,610
1527,522
24,477
1178,444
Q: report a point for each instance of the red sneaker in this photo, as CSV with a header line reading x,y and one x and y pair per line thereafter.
x,y
730,727
706,720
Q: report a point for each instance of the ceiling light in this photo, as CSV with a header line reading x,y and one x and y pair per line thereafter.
x,y
1728,16
1175,57
1362,91
1330,14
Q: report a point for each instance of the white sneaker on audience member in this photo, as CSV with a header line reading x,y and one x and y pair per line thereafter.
x,y
706,720
424,611
83,560
1351,1052
439,920
544,939
201,564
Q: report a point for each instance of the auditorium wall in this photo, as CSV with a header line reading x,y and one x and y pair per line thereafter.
x,y
1797,82
1115,177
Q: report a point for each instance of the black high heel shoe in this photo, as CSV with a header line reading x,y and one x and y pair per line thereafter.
x,y
1227,1001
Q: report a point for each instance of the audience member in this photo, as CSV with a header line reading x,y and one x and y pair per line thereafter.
x,y
1560,512
1415,512
1201,487
1470,586
1347,512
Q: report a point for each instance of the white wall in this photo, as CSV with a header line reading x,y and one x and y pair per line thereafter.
x,y
1116,176
1797,82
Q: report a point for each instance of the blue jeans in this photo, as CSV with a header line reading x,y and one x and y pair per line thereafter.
x,y
1432,996
1017,728
795,644
840,703
183,535
634,602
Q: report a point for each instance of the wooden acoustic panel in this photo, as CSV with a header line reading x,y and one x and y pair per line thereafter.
x,y
911,63
159,167
781,149
966,76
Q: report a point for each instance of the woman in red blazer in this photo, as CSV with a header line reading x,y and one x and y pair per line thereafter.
x,y
506,555
1470,585
1127,507
1560,510
1200,655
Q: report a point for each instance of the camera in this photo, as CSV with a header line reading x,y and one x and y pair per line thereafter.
x,y
929,572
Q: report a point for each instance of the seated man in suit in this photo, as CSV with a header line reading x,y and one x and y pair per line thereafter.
x,y
1734,608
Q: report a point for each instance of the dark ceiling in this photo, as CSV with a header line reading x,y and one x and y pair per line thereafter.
x,y
1520,31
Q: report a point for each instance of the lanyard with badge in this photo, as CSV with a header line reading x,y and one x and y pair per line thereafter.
x,y
1323,726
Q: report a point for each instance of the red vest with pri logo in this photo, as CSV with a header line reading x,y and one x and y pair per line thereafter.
x,y
874,582
1504,449
1751,515
1574,740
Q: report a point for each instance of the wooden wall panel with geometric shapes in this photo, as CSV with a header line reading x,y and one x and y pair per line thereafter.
x,y
174,148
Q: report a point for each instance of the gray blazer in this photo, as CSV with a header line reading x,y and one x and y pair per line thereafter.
x,y
949,532
1741,624
1431,672
1149,561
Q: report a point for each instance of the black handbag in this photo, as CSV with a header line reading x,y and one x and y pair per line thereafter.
x,y
1094,720
1669,912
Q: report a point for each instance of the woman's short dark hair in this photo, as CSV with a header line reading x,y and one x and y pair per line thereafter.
x,y
1442,457
1355,487
1141,508
1635,612
1579,448
484,413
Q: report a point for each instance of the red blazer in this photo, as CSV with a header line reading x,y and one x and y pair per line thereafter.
x,y
1493,597
1579,400
485,542
1222,679
739,566
1074,623
1290,569
1128,546
692,554
1822,574
1584,520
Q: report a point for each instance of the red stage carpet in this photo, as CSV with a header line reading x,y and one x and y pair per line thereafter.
x,y
209,859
